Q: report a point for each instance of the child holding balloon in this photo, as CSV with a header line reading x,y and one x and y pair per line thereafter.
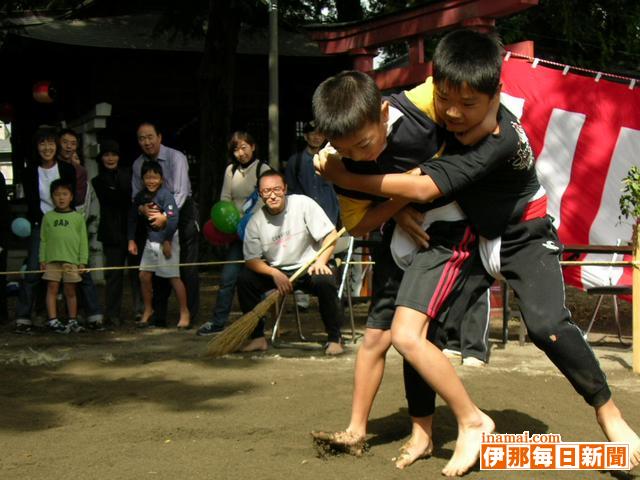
x,y
161,254
240,182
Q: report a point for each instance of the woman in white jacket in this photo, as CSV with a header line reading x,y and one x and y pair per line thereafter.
x,y
240,181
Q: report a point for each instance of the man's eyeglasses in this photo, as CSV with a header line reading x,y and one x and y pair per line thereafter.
x,y
265,192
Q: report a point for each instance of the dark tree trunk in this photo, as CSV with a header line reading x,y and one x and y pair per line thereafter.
x,y
216,80
349,10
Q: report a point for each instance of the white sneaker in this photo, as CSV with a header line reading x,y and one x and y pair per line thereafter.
x,y
473,362
451,353
302,299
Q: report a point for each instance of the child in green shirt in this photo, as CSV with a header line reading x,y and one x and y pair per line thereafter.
x,y
64,252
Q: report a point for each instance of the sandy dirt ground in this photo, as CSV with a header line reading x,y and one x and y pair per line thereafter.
x,y
130,404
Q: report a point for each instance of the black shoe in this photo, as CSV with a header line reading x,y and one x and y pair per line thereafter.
x,y
74,327
95,326
56,326
111,322
23,329
158,322
207,329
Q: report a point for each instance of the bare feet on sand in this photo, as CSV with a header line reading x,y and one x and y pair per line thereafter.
x,y
468,445
412,451
255,345
343,441
420,445
618,430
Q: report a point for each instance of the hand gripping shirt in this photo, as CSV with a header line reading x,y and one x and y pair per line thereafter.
x,y
413,138
493,181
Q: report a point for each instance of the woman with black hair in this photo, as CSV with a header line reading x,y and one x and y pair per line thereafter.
x,y
113,189
240,181
38,176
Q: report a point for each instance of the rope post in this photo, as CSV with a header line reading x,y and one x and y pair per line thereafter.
x,y
635,298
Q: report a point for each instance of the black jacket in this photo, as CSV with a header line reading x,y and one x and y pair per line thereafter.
x,y
32,190
113,188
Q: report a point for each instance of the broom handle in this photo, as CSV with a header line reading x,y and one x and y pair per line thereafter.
x,y
304,267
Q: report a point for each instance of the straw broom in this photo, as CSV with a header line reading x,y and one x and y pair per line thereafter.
x,y
233,337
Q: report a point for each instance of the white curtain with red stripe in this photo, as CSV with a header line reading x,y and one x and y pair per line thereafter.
x,y
586,136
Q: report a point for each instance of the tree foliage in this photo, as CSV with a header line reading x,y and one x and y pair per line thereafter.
x,y
630,198
601,34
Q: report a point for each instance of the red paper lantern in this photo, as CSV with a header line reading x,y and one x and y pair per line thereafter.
x,y
43,92
6,112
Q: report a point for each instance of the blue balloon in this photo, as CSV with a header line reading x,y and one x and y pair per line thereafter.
x,y
21,227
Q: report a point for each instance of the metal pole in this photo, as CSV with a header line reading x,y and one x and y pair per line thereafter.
x,y
635,299
274,138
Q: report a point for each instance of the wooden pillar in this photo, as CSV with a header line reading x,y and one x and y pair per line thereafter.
x,y
635,298
416,51
363,59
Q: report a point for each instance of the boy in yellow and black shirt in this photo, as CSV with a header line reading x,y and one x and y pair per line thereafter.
x,y
396,136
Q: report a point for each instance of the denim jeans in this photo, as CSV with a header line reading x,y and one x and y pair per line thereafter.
x,y
227,289
30,281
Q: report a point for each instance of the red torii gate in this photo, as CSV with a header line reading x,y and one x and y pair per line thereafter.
x,y
362,39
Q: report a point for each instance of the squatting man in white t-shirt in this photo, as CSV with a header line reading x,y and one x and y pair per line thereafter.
x,y
281,237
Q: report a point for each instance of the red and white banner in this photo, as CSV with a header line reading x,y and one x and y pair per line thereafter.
x,y
586,136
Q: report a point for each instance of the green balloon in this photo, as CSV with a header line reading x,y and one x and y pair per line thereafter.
x,y
225,216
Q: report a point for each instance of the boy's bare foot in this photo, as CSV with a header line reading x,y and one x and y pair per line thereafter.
x,y
419,445
255,345
185,321
618,430
343,441
468,445
145,319
411,451
334,348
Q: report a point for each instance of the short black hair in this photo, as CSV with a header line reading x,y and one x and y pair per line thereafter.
x,y
151,166
469,57
309,126
345,103
272,173
69,131
241,136
150,123
43,133
61,183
